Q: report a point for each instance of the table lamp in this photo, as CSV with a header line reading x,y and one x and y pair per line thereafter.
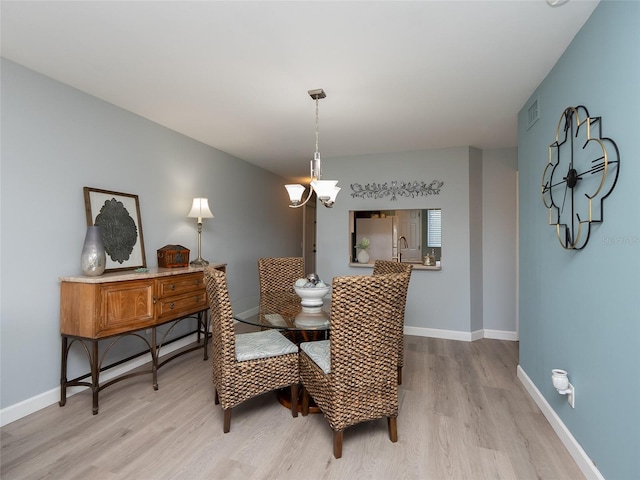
x,y
200,210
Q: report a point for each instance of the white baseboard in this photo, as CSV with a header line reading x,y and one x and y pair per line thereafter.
x,y
438,333
38,402
462,336
501,335
575,450
247,313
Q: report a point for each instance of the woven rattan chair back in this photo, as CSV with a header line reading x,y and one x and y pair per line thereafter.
x,y
223,337
277,276
235,381
362,384
381,267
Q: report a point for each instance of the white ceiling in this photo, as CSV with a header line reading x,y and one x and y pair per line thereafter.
x,y
399,75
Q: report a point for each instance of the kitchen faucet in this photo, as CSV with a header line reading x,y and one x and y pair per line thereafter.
x,y
406,245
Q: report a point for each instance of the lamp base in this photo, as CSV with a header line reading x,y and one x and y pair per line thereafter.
x,y
199,262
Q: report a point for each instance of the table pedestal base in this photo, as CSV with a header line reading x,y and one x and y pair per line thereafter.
x,y
284,397
297,337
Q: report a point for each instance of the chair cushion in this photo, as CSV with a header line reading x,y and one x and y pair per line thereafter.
x,y
319,352
267,343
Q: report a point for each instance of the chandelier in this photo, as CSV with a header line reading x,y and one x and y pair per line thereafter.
x,y
326,190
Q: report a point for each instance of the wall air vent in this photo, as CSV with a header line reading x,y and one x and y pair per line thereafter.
x,y
533,113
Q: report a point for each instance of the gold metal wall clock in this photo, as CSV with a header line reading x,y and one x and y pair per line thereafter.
x,y
582,171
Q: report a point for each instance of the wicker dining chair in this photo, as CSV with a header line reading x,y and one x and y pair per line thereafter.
x,y
352,377
381,267
277,276
248,364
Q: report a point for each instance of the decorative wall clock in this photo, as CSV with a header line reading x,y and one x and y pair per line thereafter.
x,y
582,171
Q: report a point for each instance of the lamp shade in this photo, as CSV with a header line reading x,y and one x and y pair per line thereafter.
x,y
200,209
295,192
325,189
334,194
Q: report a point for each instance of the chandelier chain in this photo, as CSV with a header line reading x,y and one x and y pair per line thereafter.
x,y
317,122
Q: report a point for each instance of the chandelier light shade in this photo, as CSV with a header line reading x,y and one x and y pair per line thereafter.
x,y
295,192
200,209
326,190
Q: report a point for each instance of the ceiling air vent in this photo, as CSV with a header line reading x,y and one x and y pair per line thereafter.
x,y
533,113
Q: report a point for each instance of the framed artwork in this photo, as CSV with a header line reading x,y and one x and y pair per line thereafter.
x,y
118,215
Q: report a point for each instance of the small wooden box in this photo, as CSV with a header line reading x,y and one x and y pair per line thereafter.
x,y
173,256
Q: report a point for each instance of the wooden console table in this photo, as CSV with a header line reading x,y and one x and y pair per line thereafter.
x,y
119,304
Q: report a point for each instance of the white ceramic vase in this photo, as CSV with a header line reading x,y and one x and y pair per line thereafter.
x,y
311,298
363,256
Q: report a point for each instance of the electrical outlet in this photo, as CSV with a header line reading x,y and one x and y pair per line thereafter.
x,y
571,397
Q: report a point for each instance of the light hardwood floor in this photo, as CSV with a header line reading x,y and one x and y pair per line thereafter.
x,y
463,415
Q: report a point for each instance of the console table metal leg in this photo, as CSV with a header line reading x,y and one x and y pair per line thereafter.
x,y
63,372
154,358
203,319
95,376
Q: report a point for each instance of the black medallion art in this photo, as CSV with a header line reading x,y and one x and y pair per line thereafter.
x,y
118,216
119,230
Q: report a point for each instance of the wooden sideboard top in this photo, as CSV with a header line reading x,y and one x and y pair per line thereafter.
x,y
133,275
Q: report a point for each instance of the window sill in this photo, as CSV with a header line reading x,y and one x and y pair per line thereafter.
x,y
416,266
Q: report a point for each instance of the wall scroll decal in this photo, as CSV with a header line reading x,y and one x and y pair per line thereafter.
x,y
401,189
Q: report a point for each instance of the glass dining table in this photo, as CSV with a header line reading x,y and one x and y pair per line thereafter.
x,y
298,323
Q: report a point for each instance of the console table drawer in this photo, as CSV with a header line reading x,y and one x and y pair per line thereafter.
x,y
125,306
180,284
179,306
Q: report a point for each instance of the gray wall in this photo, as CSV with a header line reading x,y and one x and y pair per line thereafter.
x,y
580,310
476,312
499,232
440,303
56,140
